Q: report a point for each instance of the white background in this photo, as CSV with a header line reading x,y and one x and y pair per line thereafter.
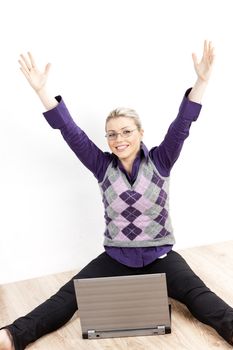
x,y
105,54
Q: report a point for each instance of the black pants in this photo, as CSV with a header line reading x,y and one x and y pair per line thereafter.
x,y
182,283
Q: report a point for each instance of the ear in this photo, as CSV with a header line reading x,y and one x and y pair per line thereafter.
x,y
142,133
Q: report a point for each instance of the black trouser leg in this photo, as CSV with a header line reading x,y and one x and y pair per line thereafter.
x,y
185,286
182,283
60,307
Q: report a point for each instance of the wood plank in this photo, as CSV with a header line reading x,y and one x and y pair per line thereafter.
x,y
213,263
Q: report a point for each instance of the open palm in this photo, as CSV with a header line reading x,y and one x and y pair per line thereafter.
x,y
204,67
35,77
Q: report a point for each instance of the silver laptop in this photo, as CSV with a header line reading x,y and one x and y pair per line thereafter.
x,y
123,306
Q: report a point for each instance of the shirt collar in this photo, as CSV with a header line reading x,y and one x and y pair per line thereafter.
x,y
144,150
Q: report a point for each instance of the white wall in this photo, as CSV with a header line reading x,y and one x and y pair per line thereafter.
x,y
104,54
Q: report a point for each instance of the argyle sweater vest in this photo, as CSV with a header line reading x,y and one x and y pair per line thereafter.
x,y
136,215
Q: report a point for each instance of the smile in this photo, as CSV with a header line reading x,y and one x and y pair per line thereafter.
x,y
121,147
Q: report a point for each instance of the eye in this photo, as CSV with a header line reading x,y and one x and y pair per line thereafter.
x,y
126,132
111,135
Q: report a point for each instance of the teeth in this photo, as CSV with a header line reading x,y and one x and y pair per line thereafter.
x,y
121,147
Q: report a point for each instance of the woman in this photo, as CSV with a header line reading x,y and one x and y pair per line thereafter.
x,y
134,185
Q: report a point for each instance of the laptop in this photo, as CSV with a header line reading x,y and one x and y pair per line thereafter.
x,y
123,306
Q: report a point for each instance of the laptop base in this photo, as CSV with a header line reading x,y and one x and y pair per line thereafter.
x,y
159,330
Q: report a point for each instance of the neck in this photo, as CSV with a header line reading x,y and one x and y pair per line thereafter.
x,y
127,164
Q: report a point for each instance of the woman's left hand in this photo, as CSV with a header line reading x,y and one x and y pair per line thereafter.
x,y
204,67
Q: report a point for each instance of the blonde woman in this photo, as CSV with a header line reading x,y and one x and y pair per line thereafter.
x,y
134,184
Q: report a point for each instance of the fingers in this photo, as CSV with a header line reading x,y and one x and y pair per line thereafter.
x,y
25,72
22,64
25,66
194,56
211,53
205,49
47,68
25,62
28,63
209,48
32,61
208,53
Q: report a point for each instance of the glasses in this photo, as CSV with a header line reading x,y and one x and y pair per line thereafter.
x,y
112,135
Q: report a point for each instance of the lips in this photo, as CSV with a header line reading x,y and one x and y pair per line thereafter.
x,y
121,147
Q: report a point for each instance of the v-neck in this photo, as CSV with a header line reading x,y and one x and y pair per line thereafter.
x,y
131,178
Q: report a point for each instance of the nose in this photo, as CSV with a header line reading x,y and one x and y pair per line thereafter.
x,y
119,134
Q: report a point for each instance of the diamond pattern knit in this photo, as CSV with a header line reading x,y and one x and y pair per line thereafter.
x,y
136,215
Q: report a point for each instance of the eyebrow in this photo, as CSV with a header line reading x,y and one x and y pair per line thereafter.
x,y
121,128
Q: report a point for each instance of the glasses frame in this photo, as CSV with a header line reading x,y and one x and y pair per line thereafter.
x,y
114,138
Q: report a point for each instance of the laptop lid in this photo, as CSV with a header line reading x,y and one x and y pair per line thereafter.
x,y
123,306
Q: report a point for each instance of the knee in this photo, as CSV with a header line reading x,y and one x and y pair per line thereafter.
x,y
186,287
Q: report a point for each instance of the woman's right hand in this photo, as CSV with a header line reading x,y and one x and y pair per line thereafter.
x,y
36,78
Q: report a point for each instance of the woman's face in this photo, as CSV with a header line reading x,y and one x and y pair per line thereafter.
x,y
125,148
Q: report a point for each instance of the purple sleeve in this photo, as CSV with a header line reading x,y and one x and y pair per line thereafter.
x,y
88,153
165,155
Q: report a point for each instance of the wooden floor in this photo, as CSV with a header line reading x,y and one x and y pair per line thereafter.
x,y
213,263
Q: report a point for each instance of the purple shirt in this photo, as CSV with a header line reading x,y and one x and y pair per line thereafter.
x,y
97,161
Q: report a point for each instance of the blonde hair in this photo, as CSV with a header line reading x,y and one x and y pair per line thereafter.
x,y
124,112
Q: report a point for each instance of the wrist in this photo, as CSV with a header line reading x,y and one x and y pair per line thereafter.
x,y
41,91
198,90
201,82
48,101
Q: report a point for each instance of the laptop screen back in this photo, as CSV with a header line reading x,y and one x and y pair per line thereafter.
x,y
111,304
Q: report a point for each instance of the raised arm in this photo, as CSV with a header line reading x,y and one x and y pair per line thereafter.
x,y
58,116
203,70
37,79
166,154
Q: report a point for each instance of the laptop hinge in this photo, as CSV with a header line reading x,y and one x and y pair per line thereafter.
x,y
93,334
161,330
